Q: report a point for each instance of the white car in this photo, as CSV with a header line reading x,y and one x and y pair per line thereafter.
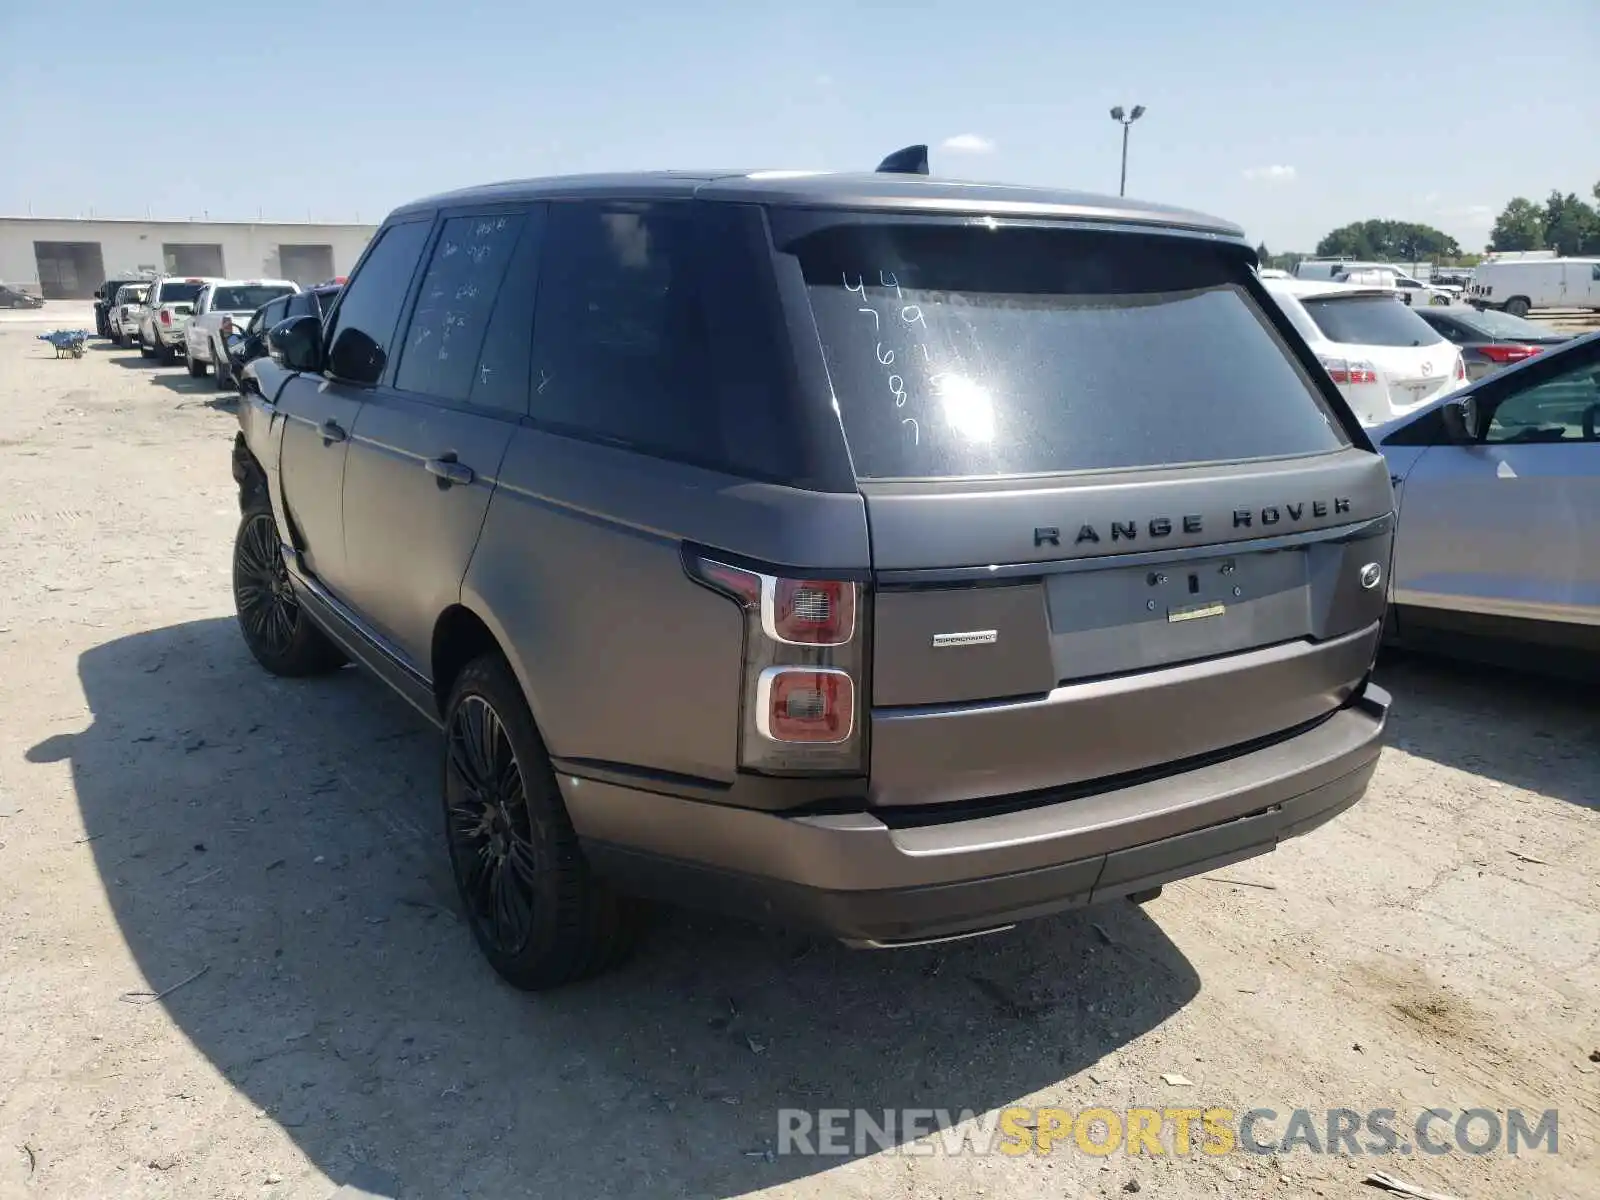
x,y
1385,360
231,301
122,318
1412,291
168,303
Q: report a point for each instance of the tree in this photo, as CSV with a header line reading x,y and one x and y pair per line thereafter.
x,y
1382,240
1571,226
1520,226
1263,255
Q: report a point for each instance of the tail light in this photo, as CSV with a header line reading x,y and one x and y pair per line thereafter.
x,y
804,668
1508,354
1347,370
166,317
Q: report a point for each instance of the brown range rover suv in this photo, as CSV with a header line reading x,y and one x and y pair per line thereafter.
x,y
887,556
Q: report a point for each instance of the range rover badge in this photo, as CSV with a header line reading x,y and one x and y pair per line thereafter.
x,y
1370,575
974,637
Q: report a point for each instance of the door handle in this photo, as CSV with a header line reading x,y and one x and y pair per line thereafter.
x,y
332,432
449,472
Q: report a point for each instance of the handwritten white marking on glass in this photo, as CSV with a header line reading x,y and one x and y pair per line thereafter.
x,y
860,288
887,278
916,430
874,313
887,359
916,320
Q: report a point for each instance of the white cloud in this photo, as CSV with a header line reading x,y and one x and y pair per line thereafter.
x,y
967,143
1277,173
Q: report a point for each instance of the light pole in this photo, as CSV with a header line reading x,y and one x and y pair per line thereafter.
x,y
1125,120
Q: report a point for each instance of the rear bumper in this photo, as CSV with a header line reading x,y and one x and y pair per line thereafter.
x,y
855,877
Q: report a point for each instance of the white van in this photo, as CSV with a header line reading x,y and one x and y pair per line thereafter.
x,y
1516,285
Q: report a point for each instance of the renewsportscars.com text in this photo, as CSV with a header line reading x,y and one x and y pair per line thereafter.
x,y
1175,1132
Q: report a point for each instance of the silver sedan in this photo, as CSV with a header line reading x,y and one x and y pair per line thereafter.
x,y
1497,555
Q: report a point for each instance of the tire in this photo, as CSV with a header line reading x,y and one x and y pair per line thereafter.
x,y
117,339
276,629
1517,306
144,350
166,355
539,914
196,368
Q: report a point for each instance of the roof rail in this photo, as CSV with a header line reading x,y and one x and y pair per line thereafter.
x,y
911,160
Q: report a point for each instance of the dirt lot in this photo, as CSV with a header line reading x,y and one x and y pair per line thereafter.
x,y
170,818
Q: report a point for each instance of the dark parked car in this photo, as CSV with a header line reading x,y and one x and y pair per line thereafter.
x,y
17,298
105,295
1490,339
894,557
251,341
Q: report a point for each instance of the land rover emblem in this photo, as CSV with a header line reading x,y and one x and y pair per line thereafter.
x,y
1370,575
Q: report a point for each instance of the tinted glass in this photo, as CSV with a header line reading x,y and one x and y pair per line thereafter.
x,y
966,351
501,378
246,299
445,337
325,299
1368,321
1557,406
622,338
302,305
1493,324
180,293
363,325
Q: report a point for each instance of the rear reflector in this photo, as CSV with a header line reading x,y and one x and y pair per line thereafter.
x,y
805,704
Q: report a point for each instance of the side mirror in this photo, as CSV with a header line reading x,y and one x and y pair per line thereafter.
x,y
296,344
99,294
1462,420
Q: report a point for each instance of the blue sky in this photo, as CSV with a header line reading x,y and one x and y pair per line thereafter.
x,y
1290,118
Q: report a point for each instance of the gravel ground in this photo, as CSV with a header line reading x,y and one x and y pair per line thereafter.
x,y
266,854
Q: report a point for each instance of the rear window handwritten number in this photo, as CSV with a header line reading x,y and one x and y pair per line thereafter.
x,y
916,430
898,387
885,357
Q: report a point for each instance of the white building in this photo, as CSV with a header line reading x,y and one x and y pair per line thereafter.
x,y
69,259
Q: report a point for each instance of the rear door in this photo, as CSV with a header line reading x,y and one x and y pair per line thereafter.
x,y
1116,519
320,410
428,443
1507,528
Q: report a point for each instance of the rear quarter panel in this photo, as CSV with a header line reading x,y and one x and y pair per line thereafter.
x,y
579,574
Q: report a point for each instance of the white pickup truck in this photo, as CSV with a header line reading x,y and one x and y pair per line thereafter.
x,y
225,300
167,305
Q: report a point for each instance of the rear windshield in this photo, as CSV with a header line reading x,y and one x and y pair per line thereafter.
x,y
124,295
246,299
1503,325
1369,321
180,293
973,351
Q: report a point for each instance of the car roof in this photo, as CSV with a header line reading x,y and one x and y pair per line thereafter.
x,y
881,191
1304,288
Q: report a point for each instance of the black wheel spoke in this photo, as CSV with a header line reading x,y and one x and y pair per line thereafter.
x,y
261,589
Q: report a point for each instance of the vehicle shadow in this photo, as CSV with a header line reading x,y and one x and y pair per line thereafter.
x,y
186,384
132,360
1544,734
283,837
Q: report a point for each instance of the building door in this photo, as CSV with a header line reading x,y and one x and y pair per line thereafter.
x,y
193,258
306,265
69,270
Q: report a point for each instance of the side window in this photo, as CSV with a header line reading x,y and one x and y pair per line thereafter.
x,y
301,305
440,356
1594,272
619,348
501,380
1559,408
363,325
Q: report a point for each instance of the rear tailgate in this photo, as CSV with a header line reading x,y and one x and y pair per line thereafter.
x,y
1056,604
